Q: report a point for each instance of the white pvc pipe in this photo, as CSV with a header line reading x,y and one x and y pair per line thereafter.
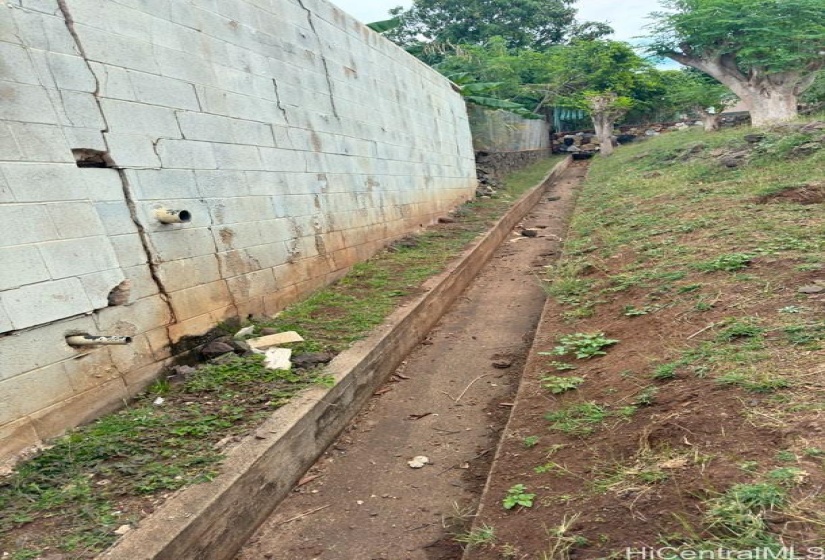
x,y
92,340
167,216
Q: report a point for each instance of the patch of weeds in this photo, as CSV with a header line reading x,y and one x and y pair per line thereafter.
x,y
632,311
787,476
578,419
558,366
688,288
530,441
561,542
791,309
558,385
749,466
762,382
517,495
583,345
550,467
807,336
814,452
729,263
646,397
740,329
785,455
477,537
664,372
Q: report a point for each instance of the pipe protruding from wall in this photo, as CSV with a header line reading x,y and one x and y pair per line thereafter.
x,y
94,340
167,216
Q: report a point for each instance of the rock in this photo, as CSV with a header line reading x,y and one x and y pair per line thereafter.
x,y
123,529
216,348
806,149
266,331
529,232
811,127
311,359
446,220
223,359
263,342
553,198
502,364
811,289
418,462
278,358
241,347
244,332
181,372
754,138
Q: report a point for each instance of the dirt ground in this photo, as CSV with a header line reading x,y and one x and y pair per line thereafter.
x,y
449,402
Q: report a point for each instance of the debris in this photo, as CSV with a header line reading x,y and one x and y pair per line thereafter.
x,y
159,401
216,348
382,390
269,330
529,232
553,198
419,416
123,529
244,332
507,404
278,358
400,376
263,342
311,359
811,289
446,220
502,364
180,373
754,138
418,462
306,513
307,479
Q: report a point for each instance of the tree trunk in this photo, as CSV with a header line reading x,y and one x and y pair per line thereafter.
x,y
712,121
771,106
603,124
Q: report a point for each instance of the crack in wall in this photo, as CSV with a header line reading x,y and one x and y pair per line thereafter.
x,y
124,181
278,101
323,58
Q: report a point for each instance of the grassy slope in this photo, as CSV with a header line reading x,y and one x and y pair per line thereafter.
x,y
701,426
99,477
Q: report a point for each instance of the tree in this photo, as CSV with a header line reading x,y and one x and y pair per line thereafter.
x,y
768,52
533,24
698,93
606,78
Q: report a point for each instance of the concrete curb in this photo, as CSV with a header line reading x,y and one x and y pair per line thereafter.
x,y
213,521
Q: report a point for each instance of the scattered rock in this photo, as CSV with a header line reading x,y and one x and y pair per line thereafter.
x,y
418,462
178,374
754,138
813,289
806,149
266,331
278,358
158,401
123,529
502,364
446,220
216,348
406,242
223,359
244,332
312,359
263,342
813,126
529,232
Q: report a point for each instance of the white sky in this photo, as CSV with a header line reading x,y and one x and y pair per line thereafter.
x,y
626,16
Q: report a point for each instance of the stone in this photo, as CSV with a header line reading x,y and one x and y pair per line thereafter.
x,y
216,348
278,358
502,364
311,359
446,220
529,232
754,138
811,289
418,461
263,342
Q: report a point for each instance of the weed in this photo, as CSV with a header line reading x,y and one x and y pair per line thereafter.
x,y
791,309
740,329
479,536
558,366
787,476
785,455
577,420
583,345
517,496
561,542
807,336
728,263
665,371
646,397
530,441
558,385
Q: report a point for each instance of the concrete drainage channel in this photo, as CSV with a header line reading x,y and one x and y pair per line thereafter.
x,y
213,521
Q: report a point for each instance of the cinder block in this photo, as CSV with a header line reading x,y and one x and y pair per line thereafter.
x,y
16,436
241,209
24,266
143,285
9,150
41,31
198,300
159,343
133,150
132,356
127,117
79,409
26,102
90,369
235,156
115,82
215,128
36,304
237,236
115,217
75,219
187,66
98,285
71,72
5,320
182,243
222,183
117,50
251,285
76,108
129,249
40,142
17,67
186,273
276,159
78,256
138,379
163,184
33,391
26,223
160,90
143,315
89,138
186,154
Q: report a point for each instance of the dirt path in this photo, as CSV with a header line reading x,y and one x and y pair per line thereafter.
x,y
448,402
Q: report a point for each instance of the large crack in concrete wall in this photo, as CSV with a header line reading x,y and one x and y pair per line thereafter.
x,y
300,142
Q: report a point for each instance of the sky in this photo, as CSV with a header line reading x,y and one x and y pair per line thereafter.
x,y
626,16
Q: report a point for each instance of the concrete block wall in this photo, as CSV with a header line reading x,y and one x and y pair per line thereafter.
x,y
300,142
502,131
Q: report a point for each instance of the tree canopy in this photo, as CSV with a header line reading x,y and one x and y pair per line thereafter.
x,y
767,52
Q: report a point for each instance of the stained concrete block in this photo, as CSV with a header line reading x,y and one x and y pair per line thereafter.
x,y
42,182
27,223
129,249
25,266
98,285
182,244
163,184
198,300
36,304
251,285
33,391
142,315
78,256
133,150
26,102
40,142
186,273
75,219
186,154
127,117
164,91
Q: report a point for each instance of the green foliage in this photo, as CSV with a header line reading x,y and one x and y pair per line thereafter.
x,y
518,496
583,345
578,419
558,385
728,263
693,92
530,441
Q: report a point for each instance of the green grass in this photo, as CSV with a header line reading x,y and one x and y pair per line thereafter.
x,y
72,495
